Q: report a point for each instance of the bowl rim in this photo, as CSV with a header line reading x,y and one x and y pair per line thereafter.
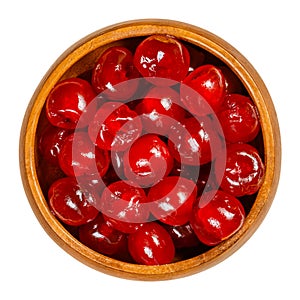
x,y
270,131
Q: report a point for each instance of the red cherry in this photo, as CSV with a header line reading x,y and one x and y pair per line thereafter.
x,y
151,245
147,161
100,236
159,109
115,66
203,90
79,156
217,217
115,126
183,236
70,104
162,56
239,119
51,141
244,170
172,200
72,203
124,206
195,141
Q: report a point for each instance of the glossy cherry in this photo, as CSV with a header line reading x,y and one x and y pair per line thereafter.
x,y
51,141
195,141
172,199
147,161
124,206
239,119
244,170
183,236
101,236
162,56
113,67
151,245
159,109
79,156
72,203
217,217
115,127
70,104
203,90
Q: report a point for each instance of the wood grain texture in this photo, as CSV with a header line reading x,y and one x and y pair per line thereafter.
x,y
80,58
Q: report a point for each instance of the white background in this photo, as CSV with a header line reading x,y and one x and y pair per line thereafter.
x,y
33,35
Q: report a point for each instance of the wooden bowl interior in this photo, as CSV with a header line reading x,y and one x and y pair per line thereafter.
x,y
78,61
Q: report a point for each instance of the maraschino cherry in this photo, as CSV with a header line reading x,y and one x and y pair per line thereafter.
x,y
162,56
195,141
123,205
159,109
72,203
101,236
115,127
147,161
172,199
151,245
244,170
113,73
71,104
203,90
51,141
239,119
217,216
79,156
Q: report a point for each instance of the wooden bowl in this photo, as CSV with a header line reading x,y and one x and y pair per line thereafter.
x,y
80,58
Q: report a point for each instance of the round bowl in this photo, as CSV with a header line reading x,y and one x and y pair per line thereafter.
x,y
79,59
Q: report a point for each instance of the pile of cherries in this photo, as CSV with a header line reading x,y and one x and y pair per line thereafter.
x,y
150,153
